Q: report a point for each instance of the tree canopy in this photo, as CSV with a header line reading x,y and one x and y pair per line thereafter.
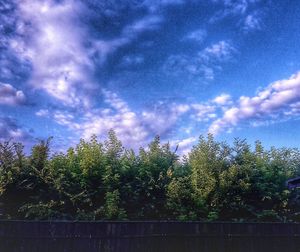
x,y
105,181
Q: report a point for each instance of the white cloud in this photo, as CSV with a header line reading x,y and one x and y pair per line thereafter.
x,y
51,39
117,116
230,8
223,99
252,22
63,118
102,48
203,112
191,66
279,99
134,129
184,145
197,35
163,117
220,51
151,22
10,95
208,72
248,13
42,113
204,64
156,5
131,60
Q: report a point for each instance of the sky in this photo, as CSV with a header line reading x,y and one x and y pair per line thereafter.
x,y
174,68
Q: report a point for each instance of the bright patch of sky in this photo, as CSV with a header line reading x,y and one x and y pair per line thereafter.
x,y
177,68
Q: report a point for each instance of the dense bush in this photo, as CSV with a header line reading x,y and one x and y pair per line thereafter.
x,y
96,181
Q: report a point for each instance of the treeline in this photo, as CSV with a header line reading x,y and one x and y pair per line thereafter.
x,y
98,181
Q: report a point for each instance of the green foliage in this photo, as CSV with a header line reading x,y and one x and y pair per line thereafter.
x,y
97,181
111,208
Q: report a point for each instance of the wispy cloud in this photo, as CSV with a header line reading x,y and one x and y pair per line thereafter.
x,y
131,60
156,5
150,22
101,48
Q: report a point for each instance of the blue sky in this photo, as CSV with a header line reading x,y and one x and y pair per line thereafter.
x,y
177,68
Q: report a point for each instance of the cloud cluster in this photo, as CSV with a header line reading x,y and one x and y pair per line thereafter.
x,y
133,128
162,117
276,102
203,112
246,11
280,99
220,51
10,95
116,115
204,64
119,117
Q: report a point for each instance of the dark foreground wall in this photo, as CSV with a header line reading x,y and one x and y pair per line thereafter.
x,y
147,236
